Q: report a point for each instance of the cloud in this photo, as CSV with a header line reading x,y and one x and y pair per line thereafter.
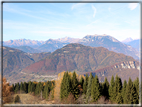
x,y
94,10
77,5
132,6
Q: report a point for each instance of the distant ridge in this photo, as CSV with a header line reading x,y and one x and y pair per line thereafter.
x,y
104,40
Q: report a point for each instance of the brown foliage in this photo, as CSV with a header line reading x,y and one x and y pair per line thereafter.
x,y
6,91
69,100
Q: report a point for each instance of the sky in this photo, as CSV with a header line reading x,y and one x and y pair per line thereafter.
x,y
43,21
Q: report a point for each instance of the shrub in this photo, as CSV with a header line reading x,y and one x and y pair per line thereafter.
x,y
17,99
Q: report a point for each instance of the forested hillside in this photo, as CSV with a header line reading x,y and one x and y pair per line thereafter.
x,y
71,88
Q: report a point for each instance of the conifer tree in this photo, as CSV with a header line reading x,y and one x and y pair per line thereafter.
x,y
136,86
111,89
119,99
21,86
130,95
95,89
17,87
74,83
81,81
88,94
37,89
117,87
33,86
25,87
124,90
85,84
65,86
105,88
46,91
29,86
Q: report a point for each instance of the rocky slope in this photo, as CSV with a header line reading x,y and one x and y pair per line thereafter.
x,y
124,70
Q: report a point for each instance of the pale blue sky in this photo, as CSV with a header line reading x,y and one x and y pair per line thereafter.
x,y
42,21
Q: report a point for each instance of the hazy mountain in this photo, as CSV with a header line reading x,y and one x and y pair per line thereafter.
x,y
68,40
27,49
23,42
127,40
51,45
76,57
135,44
110,43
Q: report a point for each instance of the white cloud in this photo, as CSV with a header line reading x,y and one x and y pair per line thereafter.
x,y
77,5
94,10
132,6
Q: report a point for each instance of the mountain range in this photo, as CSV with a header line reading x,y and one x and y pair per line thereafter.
x,y
83,59
103,55
51,45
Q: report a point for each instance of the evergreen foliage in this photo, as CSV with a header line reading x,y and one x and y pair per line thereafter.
x,y
105,87
136,86
119,99
17,87
95,89
130,96
124,90
65,86
88,94
117,87
29,86
85,84
46,91
21,86
74,84
81,81
111,89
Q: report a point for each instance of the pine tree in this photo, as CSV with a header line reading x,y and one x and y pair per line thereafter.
x,y
136,86
33,86
85,84
124,90
95,89
119,98
29,86
105,88
21,87
25,87
37,89
130,95
17,87
74,88
111,89
65,86
88,94
81,81
117,87
46,91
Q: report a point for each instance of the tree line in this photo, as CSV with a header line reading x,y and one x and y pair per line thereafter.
x,y
88,86
37,88
115,91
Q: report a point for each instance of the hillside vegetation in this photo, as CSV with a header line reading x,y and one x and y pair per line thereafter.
x,y
71,88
